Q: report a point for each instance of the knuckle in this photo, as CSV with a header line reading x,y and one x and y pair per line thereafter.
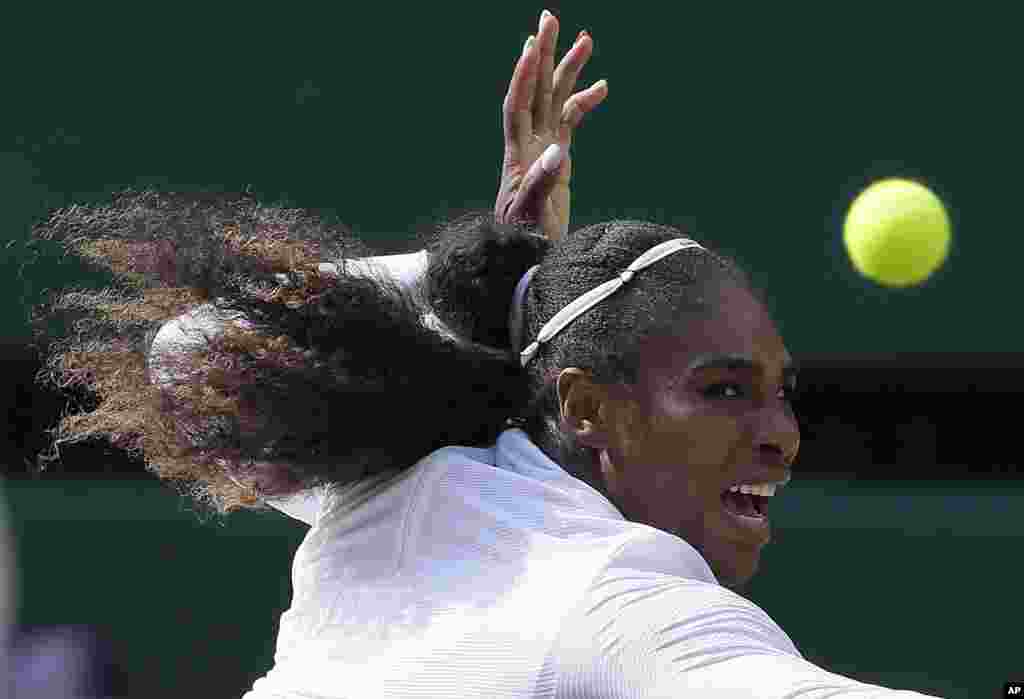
x,y
571,113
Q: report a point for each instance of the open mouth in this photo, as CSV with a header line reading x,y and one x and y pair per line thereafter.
x,y
747,505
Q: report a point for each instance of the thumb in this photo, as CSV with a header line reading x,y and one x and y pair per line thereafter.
x,y
538,184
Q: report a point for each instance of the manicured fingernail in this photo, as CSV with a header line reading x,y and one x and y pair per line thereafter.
x,y
528,44
551,158
603,84
544,15
579,37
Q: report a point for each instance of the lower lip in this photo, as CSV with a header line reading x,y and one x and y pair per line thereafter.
x,y
757,528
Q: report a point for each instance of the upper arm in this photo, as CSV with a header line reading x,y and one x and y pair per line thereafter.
x,y
640,634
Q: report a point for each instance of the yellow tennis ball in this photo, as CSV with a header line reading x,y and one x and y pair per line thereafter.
x,y
897,232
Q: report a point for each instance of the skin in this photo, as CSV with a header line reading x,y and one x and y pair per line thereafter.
x,y
667,447
541,109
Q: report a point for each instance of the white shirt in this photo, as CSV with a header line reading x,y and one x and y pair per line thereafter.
x,y
494,573
491,573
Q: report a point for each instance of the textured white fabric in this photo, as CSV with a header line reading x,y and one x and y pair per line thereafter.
x,y
188,332
494,573
406,269
639,633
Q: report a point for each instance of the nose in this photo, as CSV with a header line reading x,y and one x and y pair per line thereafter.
x,y
777,433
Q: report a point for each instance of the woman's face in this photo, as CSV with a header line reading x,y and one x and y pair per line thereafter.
x,y
710,410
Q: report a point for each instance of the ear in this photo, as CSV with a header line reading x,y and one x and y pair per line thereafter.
x,y
585,408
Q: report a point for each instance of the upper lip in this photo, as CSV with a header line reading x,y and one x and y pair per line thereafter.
x,y
774,477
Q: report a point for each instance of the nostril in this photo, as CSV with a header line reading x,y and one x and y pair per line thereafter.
x,y
772,451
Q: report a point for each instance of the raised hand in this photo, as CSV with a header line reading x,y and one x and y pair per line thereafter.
x,y
540,114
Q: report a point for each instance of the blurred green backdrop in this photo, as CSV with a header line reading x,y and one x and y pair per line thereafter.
x,y
752,125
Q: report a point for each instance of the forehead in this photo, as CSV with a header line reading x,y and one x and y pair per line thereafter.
x,y
738,325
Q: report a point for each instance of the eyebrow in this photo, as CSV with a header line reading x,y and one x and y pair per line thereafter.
x,y
737,361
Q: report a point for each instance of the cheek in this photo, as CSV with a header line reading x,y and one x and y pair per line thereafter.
x,y
699,431
676,464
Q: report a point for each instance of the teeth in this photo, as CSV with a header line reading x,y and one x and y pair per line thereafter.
x,y
765,490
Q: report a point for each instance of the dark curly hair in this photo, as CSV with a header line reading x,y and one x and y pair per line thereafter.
x,y
472,275
330,376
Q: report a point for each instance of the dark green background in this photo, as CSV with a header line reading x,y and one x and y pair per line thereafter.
x,y
754,126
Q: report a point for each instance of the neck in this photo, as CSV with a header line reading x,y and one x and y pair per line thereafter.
x,y
580,462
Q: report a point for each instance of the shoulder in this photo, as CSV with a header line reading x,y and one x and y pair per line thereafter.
x,y
658,552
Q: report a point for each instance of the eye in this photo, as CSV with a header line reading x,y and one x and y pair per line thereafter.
x,y
723,390
734,390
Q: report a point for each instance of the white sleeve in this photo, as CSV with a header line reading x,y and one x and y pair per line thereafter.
x,y
641,634
406,268
303,506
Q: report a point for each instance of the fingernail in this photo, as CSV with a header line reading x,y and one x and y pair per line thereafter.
x,y
528,44
551,158
544,15
579,37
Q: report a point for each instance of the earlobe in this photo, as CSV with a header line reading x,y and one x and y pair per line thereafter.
x,y
586,433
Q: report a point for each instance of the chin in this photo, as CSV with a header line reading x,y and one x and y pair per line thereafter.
x,y
737,571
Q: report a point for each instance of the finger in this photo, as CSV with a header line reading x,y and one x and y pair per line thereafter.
x,y
539,182
516,108
568,72
531,56
578,106
547,39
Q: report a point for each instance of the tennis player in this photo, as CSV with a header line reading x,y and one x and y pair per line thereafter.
x,y
533,464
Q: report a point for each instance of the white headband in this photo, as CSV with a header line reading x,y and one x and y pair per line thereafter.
x,y
588,300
